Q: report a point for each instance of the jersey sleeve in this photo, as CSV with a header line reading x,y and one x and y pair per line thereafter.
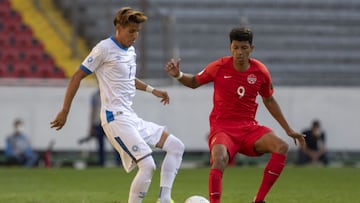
x,y
94,59
208,73
267,88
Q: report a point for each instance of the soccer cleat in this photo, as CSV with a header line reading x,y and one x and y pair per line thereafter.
x,y
172,201
257,201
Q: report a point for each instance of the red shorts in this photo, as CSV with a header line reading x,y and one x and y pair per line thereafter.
x,y
237,137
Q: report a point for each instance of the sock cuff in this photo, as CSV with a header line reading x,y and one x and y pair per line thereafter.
x,y
278,157
216,171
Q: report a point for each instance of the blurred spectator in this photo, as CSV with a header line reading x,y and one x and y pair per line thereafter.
x,y
96,130
314,151
18,148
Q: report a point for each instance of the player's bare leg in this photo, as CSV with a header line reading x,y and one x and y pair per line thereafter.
x,y
220,159
270,143
174,151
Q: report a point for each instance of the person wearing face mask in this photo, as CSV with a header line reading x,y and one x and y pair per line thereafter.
x,y
18,148
315,151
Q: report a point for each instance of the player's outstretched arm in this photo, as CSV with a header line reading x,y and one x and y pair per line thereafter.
x,y
71,90
274,109
140,85
173,69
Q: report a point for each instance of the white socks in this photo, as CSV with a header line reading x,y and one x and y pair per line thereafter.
x,y
174,151
142,180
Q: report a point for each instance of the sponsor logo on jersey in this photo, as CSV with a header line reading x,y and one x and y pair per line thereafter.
x,y
227,76
251,79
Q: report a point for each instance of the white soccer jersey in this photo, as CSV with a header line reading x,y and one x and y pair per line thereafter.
x,y
115,68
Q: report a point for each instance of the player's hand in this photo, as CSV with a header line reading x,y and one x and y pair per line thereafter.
x,y
165,99
297,137
60,120
173,68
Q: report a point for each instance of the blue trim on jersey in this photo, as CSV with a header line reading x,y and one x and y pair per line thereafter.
x,y
85,69
117,43
109,116
123,146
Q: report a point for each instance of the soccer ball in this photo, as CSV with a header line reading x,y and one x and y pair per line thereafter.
x,y
196,199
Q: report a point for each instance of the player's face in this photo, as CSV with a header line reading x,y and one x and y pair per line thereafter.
x,y
240,50
128,34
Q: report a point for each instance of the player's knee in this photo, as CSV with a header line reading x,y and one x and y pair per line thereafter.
x,y
282,147
174,145
147,164
220,161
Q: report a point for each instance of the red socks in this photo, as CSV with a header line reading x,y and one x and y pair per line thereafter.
x,y
271,173
215,185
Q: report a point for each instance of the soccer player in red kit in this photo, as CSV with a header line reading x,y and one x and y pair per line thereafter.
x,y
238,79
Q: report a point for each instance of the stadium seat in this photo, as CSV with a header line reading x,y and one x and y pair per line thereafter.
x,y
3,68
21,70
58,72
34,54
22,55
4,7
43,72
10,53
4,40
23,29
5,3
23,40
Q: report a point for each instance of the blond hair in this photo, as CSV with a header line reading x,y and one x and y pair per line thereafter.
x,y
127,15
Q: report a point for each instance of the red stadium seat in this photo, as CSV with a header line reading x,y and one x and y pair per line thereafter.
x,y
22,55
4,40
24,40
3,68
58,72
5,3
4,11
43,72
34,54
10,53
17,70
22,70
23,29
48,71
11,21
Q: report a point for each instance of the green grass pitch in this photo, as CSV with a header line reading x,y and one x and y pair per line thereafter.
x,y
109,185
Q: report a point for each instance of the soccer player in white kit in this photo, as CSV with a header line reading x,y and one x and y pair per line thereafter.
x,y
113,60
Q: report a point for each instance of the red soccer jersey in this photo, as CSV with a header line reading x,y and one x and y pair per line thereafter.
x,y
235,92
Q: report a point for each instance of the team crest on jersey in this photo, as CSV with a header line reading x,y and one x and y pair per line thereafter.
x,y
251,79
90,59
135,148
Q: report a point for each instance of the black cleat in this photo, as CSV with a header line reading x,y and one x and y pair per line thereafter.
x,y
259,202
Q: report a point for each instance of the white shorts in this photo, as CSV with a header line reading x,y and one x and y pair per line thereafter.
x,y
133,138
